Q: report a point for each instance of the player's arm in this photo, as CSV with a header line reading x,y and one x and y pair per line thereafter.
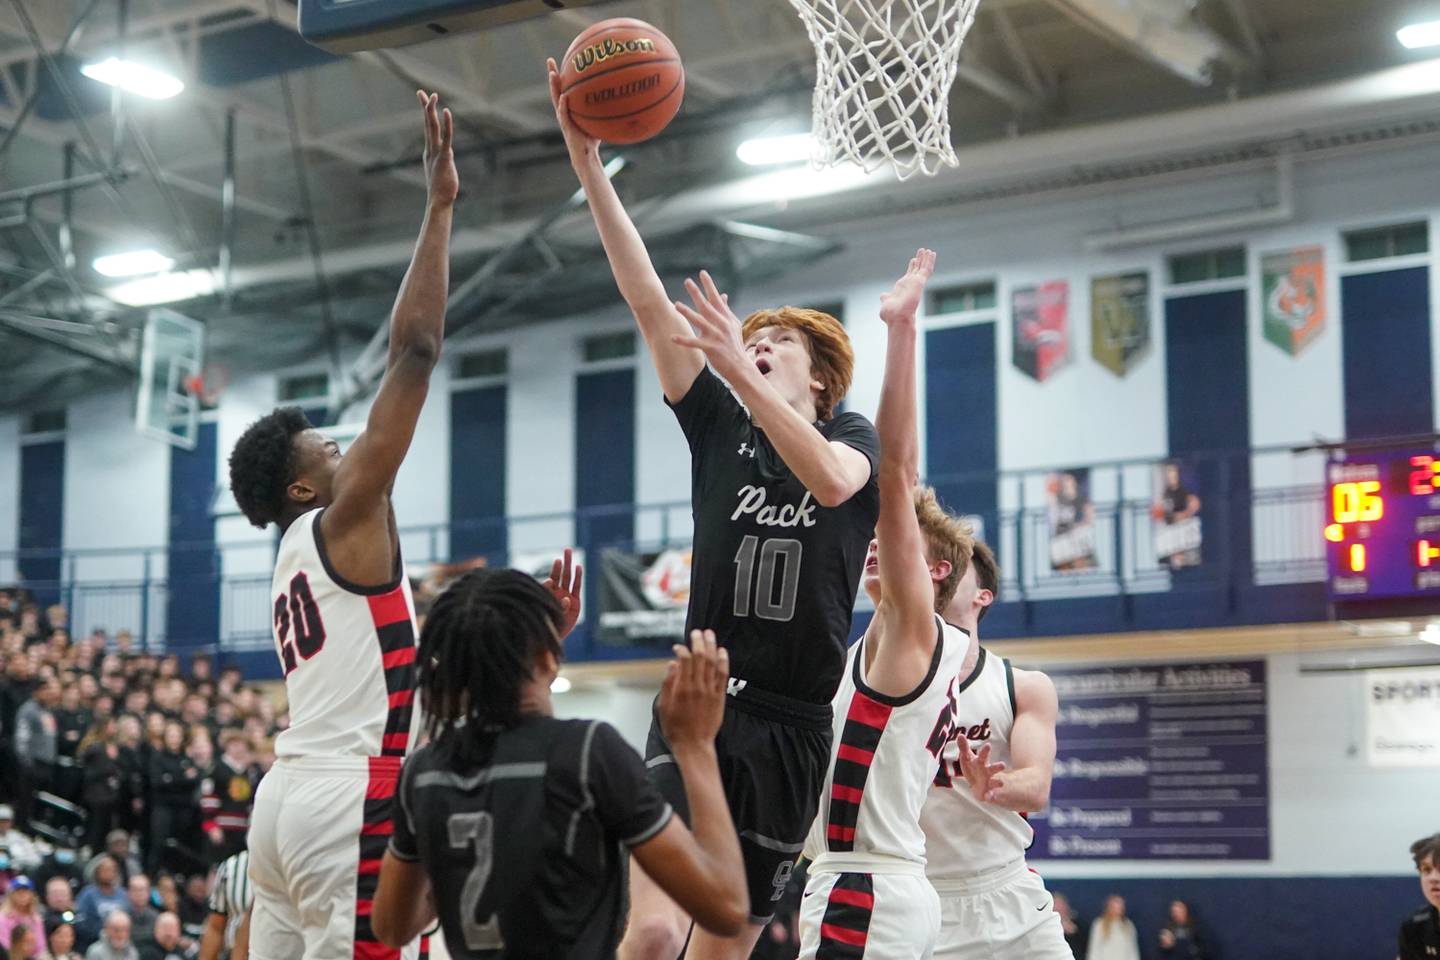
x,y
404,904
212,940
909,596
832,471
241,948
1025,787
417,327
629,260
701,871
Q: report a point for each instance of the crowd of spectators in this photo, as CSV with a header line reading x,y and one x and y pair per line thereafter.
x,y
125,777
1112,935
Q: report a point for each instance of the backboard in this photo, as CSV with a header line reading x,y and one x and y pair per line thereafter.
x,y
171,354
345,26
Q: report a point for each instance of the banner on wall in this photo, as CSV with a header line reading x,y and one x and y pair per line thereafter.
x,y
1072,519
1040,318
1176,513
1293,287
1159,762
643,597
1119,320
1403,714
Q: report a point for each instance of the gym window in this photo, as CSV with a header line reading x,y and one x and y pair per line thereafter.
x,y
963,298
1380,243
44,421
608,346
483,363
1206,265
304,386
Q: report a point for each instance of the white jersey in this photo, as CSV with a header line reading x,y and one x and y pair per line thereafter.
x,y
965,836
886,751
348,653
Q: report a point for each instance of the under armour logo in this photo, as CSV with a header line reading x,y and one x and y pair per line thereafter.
x,y
733,686
746,451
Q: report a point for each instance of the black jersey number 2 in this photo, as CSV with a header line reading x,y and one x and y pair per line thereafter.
x,y
298,610
477,832
772,555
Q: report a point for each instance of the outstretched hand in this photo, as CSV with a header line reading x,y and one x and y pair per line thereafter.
x,y
692,699
564,583
583,147
442,180
717,329
983,776
903,300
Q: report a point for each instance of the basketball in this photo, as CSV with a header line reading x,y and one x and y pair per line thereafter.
x,y
625,80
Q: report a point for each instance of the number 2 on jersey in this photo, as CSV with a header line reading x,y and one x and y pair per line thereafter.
x,y
476,831
299,610
772,553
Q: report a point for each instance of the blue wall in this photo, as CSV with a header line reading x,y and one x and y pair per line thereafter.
x,y
961,451
192,613
42,502
477,473
1388,384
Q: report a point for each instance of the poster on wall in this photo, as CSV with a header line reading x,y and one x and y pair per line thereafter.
x,y
643,597
1176,513
1040,317
1293,288
1159,762
1072,519
1120,320
1403,717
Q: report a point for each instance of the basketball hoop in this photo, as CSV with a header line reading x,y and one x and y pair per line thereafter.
x,y
883,72
207,385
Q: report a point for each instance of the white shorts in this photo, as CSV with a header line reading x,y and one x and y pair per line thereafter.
x,y
1005,914
318,831
886,916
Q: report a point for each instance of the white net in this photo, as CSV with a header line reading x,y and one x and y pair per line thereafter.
x,y
884,69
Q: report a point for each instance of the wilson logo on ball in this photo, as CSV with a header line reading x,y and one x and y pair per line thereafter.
x,y
607,49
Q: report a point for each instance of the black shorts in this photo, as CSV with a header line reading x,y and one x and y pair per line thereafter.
x,y
773,754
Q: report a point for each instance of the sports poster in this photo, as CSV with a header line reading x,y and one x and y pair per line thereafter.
x,y
1176,515
1119,320
1403,717
1293,288
643,597
1040,317
1072,519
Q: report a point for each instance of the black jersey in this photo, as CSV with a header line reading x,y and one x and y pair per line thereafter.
x,y
774,573
526,847
1420,936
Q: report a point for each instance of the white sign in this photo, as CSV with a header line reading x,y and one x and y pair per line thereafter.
x,y
1403,708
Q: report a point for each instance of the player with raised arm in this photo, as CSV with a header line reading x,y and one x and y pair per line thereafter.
x,y
514,826
867,895
996,769
785,498
344,622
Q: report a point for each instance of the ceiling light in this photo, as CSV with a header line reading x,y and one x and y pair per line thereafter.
x,y
134,78
164,288
560,685
1431,634
1418,35
135,263
768,151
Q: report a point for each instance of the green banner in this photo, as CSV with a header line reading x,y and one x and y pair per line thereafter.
x,y
1294,297
1119,320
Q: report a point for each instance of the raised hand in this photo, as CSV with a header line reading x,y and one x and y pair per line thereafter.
x,y
717,329
564,585
692,700
583,147
903,300
983,776
442,180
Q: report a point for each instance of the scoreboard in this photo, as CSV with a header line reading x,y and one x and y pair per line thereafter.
x,y
1382,527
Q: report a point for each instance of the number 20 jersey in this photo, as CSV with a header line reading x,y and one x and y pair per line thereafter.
x,y
348,653
774,573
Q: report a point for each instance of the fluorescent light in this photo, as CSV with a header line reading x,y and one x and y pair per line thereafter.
x,y
134,78
560,685
768,151
1431,634
132,264
164,288
1418,35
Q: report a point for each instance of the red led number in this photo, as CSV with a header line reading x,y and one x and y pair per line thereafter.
x,y
1423,479
299,610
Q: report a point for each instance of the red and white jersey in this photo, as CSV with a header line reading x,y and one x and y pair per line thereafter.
x,y
348,653
965,836
886,751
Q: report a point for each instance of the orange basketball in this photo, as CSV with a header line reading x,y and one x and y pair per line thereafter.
x,y
625,80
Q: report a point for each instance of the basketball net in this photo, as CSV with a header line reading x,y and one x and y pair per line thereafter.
x,y
883,72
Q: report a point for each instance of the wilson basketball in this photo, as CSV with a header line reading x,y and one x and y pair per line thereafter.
x,y
625,80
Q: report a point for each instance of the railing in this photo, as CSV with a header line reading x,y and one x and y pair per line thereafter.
x,y
1261,518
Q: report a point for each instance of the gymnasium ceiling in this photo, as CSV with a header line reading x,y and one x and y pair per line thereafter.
x,y
1032,70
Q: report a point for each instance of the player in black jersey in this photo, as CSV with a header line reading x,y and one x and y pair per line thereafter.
x,y
1420,933
513,825
785,499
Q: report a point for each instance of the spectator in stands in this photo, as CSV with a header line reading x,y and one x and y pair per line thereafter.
x,y
1072,924
115,945
166,896
71,721
21,850
36,733
174,792
21,911
117,848
142,912
24,945
100,899
59,900
1180,938
227,797
1420,934
102,781
60,937
194,911
1113,936
167,943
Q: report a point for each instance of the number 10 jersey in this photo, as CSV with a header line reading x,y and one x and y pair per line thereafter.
x,y
348,653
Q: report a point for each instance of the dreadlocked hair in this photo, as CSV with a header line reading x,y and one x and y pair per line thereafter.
x,y
479,647
263,464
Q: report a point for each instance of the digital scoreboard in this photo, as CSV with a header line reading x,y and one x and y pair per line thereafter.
x,y
1382,528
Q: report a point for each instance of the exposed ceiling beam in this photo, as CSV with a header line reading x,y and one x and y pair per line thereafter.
x,y
1001,88
1039,86
1161,31
1249,32
50,20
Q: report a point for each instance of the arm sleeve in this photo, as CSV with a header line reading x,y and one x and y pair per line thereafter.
x,y
613,776
853,430
219,902
402,836
697,411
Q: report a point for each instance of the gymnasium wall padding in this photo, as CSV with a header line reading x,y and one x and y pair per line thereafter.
x,y
478,419
604,472
192,610
960,419
42,503
1387,365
